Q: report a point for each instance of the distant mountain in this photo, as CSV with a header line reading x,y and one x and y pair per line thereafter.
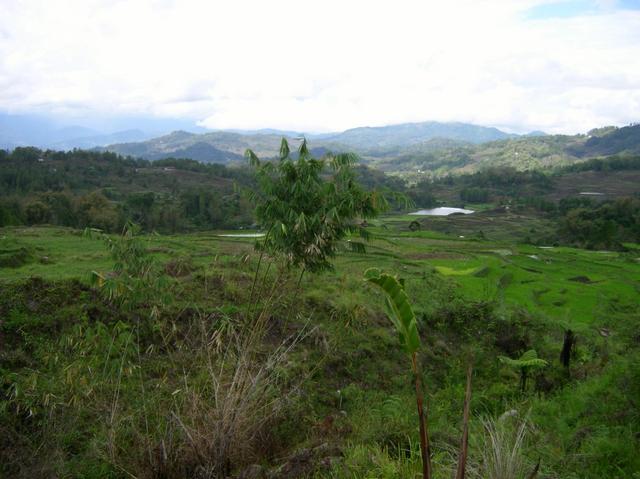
x,y
91,141
411,133
203,152
214,147
268,131
527,152
427,148
44,132
29,130
374,142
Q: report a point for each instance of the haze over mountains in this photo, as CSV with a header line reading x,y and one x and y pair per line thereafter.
x,y
66,134
46,132
433,147
222,146
437,148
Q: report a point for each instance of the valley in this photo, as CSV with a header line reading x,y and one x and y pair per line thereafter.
x,y
153,325
320,240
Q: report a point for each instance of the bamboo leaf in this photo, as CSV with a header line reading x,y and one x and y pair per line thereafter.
x,y
357,247
284,149
303,150
252,157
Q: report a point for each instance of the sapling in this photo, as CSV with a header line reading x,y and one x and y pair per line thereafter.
x,y
403,318
308,206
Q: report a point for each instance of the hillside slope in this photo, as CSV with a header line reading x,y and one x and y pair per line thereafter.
x,y
410,149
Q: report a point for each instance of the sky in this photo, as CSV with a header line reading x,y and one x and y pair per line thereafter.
x,y
314,66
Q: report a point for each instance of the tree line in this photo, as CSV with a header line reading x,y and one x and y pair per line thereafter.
x,y
104,190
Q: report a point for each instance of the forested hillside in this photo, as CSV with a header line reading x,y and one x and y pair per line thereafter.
x,y
104,190
412,151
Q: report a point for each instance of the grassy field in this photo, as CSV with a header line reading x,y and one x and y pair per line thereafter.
x,y
565,284
477,296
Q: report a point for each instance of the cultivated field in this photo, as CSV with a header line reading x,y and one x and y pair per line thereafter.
x,y
478,296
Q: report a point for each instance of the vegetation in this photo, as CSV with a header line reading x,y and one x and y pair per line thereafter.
x,y
526,364
404,320
103,190
414,151
604,226
306,215
125,352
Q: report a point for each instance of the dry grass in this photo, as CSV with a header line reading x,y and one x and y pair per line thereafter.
x,y
227,420
502,447
230,386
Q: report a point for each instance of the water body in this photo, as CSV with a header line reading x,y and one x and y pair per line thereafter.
x,y
243,235
442,211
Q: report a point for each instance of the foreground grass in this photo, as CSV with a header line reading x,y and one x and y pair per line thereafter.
x,y
68,353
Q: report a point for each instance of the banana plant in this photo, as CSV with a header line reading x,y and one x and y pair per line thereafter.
x,y
529,361
401,314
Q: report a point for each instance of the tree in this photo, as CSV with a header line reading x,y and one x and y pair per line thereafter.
x,y
37,212
526,363
307,210
96,211
421,194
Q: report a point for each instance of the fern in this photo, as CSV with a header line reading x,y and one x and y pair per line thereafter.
x,y
528,362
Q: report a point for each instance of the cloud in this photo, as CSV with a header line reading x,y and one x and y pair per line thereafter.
x,y
323,66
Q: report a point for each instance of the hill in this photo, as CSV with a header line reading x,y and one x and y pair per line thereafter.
x,y
214,147
407,134
104,190
411,150
613,141
526,152
387,141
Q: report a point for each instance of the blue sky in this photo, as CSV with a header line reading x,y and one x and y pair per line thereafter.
x,y
557,66
574,8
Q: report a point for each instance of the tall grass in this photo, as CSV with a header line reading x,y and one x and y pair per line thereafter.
x,y
226,418
501,448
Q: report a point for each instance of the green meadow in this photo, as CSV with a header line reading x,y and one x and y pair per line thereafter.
x,y
353,413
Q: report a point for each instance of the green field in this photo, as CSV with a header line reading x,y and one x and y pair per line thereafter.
x,y
476,299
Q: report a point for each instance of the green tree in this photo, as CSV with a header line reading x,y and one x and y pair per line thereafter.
x,y
96,211
37,212
309,205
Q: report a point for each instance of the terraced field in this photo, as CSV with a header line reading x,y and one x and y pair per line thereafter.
x,y
476,296
566,284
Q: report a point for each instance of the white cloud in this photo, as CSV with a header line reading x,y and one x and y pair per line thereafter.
x,y
322,65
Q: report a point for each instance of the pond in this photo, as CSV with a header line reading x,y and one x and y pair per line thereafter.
x,y
442,211
243,235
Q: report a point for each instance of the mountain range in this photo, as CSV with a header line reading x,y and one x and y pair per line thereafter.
x,y
222,146
412,148
432,148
